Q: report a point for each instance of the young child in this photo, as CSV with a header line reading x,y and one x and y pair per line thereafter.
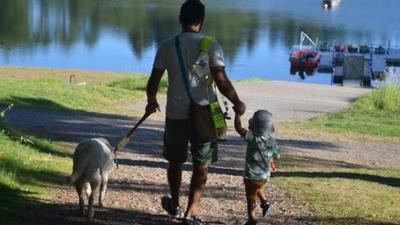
x,y
261,151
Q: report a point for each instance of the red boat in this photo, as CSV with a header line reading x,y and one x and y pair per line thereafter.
x,y
305,60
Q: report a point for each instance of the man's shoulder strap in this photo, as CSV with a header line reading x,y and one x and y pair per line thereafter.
x,y
206,43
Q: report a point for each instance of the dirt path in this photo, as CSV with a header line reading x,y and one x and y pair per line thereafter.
x,y
289,101
136,187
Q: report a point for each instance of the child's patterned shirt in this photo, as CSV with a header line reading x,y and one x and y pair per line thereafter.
x,y
260,152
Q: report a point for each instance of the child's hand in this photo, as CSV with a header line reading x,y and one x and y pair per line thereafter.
x,y
273,166
238,126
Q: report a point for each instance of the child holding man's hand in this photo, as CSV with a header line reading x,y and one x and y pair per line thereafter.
x,y
261,151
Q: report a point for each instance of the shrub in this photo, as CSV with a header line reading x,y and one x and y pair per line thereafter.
x,y
385,97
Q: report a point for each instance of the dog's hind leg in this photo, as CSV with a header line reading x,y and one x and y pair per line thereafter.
x,y
79,189
103,188
95,185
88,189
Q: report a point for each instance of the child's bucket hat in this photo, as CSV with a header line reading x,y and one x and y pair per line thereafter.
x,y
261,123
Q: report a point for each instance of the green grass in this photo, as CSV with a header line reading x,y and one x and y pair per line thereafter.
x,y
138,82
377,113
29,167
341,193
57,92
344,193
386,98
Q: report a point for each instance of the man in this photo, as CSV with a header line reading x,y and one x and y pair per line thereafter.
x,y
177,129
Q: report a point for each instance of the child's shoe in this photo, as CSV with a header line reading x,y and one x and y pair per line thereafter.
x,y
251,222
266,209
193,221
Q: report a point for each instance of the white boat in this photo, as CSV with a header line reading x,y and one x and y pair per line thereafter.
x,y
328,4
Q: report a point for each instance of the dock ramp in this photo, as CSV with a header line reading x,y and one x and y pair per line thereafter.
x,y
355,67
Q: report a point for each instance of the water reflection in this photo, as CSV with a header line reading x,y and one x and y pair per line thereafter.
x,y
256,35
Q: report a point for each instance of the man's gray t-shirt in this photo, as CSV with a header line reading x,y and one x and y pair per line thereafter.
x,y
166,58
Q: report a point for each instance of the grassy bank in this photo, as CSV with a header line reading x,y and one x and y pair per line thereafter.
x,y
29,167
87,91
337,192
377,114
341,193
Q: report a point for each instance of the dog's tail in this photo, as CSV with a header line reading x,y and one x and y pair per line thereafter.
x,y
74,177
80,161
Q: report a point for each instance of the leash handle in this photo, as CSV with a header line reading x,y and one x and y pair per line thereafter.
x,y
3,113
127,137
123,142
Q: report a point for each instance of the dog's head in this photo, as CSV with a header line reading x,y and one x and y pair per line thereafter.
x,y
105,141
108,145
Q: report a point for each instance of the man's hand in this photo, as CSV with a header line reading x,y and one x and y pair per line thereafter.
x,y
239,108
152,107
226,88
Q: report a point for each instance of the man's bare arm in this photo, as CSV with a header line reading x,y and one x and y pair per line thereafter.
x,y
152,89
226,88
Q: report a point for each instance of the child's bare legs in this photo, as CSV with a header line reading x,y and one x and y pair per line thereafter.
x,y
261,195
253,189
265,205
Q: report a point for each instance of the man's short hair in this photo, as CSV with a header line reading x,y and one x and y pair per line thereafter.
x,y
192,12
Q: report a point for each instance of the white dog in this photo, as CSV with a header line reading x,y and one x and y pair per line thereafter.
x,y
93,161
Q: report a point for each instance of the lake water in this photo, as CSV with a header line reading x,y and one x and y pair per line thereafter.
x,y
123,35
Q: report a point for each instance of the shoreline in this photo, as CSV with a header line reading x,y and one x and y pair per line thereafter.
x,y
85,72
287,100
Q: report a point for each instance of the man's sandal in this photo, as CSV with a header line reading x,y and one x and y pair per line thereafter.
x,y
174,212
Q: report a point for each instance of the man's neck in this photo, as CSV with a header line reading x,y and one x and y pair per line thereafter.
x,y
191,29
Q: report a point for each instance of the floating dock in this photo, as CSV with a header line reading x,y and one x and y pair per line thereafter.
x,y
326,62
364,67
360,63
354,66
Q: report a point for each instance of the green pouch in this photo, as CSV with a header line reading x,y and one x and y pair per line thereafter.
x,y
217,115
218,119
